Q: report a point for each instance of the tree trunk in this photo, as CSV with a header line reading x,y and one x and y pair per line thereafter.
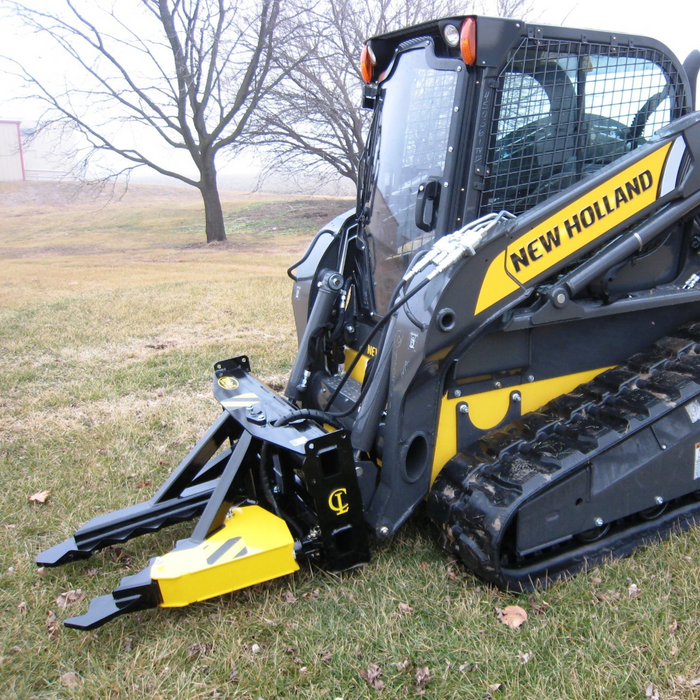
x,y
213,214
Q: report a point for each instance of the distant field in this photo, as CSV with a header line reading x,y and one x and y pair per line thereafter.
x,y
112,314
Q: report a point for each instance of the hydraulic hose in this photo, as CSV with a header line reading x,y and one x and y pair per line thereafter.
x,y
444,254
332,418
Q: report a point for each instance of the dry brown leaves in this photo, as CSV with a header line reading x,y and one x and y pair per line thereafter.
x,y
39,496
454,573
119,554
52,625
651,691
513,616
422,676
199,649
525,657
539,607
71,679
69,597
493,688
405,608
23,608
694,683
289,597
608,596
371,675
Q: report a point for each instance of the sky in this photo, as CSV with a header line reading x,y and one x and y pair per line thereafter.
x,y
676,23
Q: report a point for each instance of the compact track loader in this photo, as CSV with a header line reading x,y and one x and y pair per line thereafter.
x,y
506,325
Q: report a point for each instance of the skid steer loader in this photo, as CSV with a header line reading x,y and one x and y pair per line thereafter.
x,y
506,325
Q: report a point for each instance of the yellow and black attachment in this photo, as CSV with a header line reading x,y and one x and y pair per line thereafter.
x,y
266,496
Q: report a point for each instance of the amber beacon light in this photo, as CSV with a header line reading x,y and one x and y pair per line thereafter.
x,y
367,62
467,41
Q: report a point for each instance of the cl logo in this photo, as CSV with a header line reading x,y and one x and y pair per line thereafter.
x,y
336,501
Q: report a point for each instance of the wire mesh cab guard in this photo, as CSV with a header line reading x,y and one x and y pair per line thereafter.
x,y
564,109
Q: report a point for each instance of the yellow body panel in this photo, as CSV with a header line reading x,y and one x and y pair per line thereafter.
x,y
556,238
253,545
488,409
359,372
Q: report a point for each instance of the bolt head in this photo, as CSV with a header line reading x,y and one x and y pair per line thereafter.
x,y
464,408
497,385
458,393
598,522
530,378
561,298
659,501
516,397
383,531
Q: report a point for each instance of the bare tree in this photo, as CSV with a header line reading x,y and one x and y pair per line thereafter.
x,y
148,79
314,123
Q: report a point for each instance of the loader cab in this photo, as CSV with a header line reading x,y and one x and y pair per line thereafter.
x,y
410,162
477,115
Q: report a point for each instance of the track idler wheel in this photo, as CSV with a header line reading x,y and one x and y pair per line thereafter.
x,y
594,534
654,512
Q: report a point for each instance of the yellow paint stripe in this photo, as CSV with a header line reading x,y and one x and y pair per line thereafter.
x,y
489,408
499,280
234,403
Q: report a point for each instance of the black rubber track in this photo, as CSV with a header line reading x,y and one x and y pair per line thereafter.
x,y
477,496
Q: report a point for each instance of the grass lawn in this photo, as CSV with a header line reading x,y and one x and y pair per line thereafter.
x,y
112,314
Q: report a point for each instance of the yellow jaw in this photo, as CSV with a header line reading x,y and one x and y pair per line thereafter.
x,y
253,545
